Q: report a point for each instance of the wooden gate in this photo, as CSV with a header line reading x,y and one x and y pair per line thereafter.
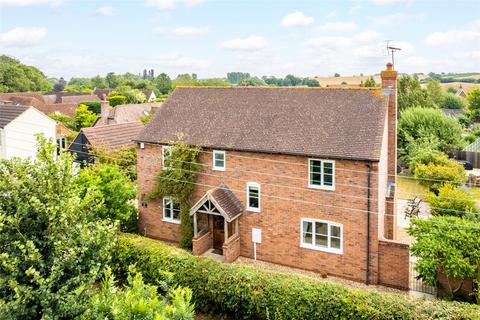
x,y
417,284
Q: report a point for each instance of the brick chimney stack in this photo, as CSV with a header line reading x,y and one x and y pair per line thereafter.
x,y
389,87
104,111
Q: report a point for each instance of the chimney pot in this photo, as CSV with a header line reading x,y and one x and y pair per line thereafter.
x,y
389,66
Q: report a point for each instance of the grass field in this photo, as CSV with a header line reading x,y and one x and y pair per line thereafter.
x,y
353,80
466,86
408,188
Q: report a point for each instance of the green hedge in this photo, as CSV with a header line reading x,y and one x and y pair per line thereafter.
x,y
94,106
245,292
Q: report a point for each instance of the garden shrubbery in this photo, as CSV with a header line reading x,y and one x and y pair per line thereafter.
x,y
246,292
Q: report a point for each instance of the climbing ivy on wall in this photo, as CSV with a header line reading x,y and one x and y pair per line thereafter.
x,y
178,183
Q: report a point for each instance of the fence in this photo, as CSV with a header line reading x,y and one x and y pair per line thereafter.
x,y
472,157
417,284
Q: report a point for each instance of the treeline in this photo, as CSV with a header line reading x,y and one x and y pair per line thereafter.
x,y
245,79
470,77
17,77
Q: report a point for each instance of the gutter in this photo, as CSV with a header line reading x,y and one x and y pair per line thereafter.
x,y
367,263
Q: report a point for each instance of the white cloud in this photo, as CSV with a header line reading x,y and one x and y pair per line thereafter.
x,y
347,26
26,3
170,4
466,36
182,31
296,19
105,11
251,43
180,61
22,36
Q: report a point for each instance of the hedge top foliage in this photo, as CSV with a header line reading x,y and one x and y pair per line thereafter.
x,y
246,292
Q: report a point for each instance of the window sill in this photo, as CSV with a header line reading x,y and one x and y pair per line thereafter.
x,y
328,188
328,250
171,221
218,169
253,210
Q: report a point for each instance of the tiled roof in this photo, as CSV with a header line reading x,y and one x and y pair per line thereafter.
x,y
8,113
113,136
129,112
320,122
25,99
67,109
229,203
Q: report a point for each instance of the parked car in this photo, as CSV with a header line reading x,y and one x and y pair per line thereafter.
x,y
467,165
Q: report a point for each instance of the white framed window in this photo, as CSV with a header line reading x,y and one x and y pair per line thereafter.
x,y
166,155
253,197
321,235
219,160
321,174
171,210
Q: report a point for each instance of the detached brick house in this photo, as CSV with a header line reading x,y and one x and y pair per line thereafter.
x,y
302,177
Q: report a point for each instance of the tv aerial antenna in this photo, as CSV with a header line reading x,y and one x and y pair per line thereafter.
x,y
391,50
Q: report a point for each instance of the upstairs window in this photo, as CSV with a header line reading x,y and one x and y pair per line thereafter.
x,y
219,161
321,174
253,196
321,235
171,211
166,155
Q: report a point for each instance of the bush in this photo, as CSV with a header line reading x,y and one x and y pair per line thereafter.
x,y
435,175
425,152
67,121
249,293
83,117
117,100
451,201
94,106
417,124
451,101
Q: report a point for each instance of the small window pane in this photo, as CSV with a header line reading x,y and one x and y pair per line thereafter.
x,y
328,180
315,172
176,211
321,241
219,163
307,226
167,212
321,228
335,231
307,238
335,243
253,197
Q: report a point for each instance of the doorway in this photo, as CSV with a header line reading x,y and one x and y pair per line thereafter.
x,y
218,234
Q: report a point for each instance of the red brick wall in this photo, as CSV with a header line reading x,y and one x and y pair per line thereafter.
x,y
280,217
394,264
231,249
202,243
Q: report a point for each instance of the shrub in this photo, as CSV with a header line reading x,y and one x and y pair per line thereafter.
x,y
417,124
451,201
451,101
117,100
67,121
83,117
94,106
425,152
435,175
138,301
249,293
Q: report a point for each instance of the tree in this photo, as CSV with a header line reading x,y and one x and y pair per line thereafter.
x,y
411,94
291,80
84,117
53,247
451,90
116,100
336,75
434,176
237,77
132,95
310,82
451,101
116,193
370,83
163,83
473,99
449,245
59,85
419,123
17,77
67,121
451,201
435,93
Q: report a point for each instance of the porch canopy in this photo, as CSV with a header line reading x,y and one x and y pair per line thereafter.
x,y
220,201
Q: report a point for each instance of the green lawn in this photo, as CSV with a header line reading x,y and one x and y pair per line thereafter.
x,y
408,188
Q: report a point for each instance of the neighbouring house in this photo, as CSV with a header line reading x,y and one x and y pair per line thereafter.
x,y
125,113
453,112
302,177
460,92
150,94
43,103
109,137
102,93
19,126
69,97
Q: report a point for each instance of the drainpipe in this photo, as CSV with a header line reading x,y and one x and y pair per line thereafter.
x,y
367,266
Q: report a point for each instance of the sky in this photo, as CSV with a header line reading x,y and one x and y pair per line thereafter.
x,y
84,38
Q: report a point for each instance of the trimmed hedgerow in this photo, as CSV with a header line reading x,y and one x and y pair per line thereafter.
x,y
246,292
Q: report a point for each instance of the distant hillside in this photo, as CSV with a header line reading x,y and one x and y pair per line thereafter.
x,y
349,80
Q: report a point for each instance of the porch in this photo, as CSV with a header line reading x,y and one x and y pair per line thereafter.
x,y
216,224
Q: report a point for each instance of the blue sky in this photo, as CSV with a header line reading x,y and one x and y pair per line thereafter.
x,y
208,37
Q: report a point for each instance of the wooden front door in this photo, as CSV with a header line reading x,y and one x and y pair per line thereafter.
x,y
218,233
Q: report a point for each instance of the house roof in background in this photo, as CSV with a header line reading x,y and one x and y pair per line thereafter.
x,y
67,109
320,122
113,136
79,98
24,98
129,113
9,112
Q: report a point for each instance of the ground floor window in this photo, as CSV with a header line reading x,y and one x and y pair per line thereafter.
x,y
321,235
171,210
